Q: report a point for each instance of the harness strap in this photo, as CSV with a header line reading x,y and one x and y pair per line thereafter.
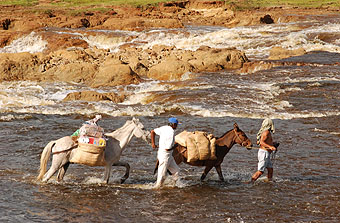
x,y
64,151
238,137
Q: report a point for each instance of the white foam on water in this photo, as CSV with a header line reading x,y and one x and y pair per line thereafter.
x,y
10,117
104,41
31,43
22,94
326,131
31,97
93,180
252,40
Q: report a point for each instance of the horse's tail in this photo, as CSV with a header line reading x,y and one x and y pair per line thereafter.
x,y
45,155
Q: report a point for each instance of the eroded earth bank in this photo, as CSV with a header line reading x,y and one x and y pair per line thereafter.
x,y
64,56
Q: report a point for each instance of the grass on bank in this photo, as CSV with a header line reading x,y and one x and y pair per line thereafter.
x,y
238,4
81,3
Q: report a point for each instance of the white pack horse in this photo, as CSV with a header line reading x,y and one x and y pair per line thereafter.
x,y
64,148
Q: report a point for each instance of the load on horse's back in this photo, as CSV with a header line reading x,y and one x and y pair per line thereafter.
x,y
91,144
223,145
200,145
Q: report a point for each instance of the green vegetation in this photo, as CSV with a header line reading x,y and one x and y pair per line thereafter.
x,y
76,3
19,2
80,3
238,4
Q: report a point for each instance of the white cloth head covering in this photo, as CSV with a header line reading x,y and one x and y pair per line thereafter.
x,y
97,118
94,120
267,124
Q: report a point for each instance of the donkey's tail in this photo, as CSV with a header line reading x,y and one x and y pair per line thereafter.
x,y
45,155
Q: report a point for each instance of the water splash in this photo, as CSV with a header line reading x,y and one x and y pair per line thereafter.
x,y
31,43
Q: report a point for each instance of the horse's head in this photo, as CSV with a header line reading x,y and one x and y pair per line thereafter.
x,y
241,138
140,132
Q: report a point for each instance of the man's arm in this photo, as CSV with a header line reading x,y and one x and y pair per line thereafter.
x,y
153,134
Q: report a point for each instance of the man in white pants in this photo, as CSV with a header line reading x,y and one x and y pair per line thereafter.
x,y
166,161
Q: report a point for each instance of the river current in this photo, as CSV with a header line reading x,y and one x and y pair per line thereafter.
x,y
303,101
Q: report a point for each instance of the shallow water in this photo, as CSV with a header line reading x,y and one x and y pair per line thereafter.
x,y
306,186
304,102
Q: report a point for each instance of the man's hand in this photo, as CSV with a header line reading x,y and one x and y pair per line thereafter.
x,y
154,146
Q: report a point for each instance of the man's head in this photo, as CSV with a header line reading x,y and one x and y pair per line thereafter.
x,y
268,124
173,122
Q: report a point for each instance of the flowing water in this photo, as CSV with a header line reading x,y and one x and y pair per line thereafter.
x,y
304,102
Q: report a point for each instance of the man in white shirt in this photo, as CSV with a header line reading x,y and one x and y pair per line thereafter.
x,y
166,161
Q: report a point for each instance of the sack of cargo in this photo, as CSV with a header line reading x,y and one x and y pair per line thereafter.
x,y
181,138
200,145
91,130
90,151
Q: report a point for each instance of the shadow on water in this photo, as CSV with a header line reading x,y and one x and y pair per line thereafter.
x,y
313,178
319,57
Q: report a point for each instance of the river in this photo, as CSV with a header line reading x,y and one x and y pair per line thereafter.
x,y
303,101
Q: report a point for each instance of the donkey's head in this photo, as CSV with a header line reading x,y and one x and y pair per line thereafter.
x,y
241,138
139,130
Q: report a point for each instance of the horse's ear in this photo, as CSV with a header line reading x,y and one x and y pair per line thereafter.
x,y
236,126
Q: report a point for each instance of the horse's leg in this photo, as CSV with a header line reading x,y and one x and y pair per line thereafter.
x,y
127,171
107,173
62,171
206,171
219,171
54,167
58,160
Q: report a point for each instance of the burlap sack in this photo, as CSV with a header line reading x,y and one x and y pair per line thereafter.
x,y
88,154
91,130
203,145
200,146
213,148
181,138
193,153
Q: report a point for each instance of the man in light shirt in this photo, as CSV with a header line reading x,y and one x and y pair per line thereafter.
x,y
166,141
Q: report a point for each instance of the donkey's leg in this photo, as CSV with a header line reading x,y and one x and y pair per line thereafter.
x,y
127,171
206,171
107,173
219,171
54,167
58,160
62,171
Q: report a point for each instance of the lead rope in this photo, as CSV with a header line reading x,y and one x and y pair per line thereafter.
x,y
273,156
276,145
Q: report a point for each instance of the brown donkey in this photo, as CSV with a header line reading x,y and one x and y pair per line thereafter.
x,y
223,146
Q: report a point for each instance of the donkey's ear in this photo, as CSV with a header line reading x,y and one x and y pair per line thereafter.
x,y
236,126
